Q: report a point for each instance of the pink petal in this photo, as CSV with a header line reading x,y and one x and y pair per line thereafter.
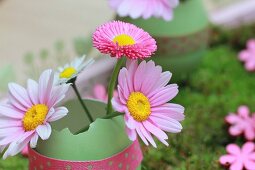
x,y
167,124
44,131
24,151
8,111
250,66
174,111
252,156
249,133
131,134
244,111
18,145
9,134
249,164
138,76
140,134
138,10
163,80
117,105
59,113
122,97
232,118
33,141
151,77
45,86
20,94
248,147
99,92
235,130
154,130
32,89
124,8
58,94
227,159
131,66
130,122
164,95
251,44
244,55
237,165
233,149
147,135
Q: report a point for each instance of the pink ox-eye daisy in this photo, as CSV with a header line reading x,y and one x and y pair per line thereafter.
x,y
239,158
145,8
29,112
248,55
123,39
143,94
242,123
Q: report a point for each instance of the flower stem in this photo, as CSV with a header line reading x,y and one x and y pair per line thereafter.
x,y
105,117
113,83
82,102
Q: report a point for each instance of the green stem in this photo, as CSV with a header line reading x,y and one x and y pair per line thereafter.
x,y
112,84
82,102
114,114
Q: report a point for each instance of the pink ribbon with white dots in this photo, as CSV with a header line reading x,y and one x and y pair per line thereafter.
x,y
128,159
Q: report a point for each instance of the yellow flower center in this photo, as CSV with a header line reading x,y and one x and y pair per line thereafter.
x,y
68,73
139,106
34,117
124,40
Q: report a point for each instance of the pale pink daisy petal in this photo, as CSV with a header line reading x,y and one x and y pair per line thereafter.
x,y
44,131
32,89
120,39
25,118
148,115
238,159
33,141
58,113
144,8
248,56
147,135
131,134
241,123
20,94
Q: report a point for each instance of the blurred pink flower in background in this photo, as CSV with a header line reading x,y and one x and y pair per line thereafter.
x,y
239,158
100,93
145,8
248,55
242,123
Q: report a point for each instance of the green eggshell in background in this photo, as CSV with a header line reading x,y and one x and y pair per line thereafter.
x,y
182,41
104,138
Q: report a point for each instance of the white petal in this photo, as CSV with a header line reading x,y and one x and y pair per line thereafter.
x,y
44,131
59,113
33,141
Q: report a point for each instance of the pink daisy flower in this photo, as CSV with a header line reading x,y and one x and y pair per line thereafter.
x,y
239,158
143,94
144,8
28,113
241,123
123,39
248,55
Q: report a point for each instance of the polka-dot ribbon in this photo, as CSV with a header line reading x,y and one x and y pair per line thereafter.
x,y
128,159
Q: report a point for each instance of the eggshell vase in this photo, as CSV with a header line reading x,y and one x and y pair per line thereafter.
x,y
104,145
182,41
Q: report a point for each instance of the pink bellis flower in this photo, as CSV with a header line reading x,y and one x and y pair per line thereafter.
x,y
241,123
120,39
248,56
28,113
145,8
143,94
239,158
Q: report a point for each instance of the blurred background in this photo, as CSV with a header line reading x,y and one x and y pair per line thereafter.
x,y
36,34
